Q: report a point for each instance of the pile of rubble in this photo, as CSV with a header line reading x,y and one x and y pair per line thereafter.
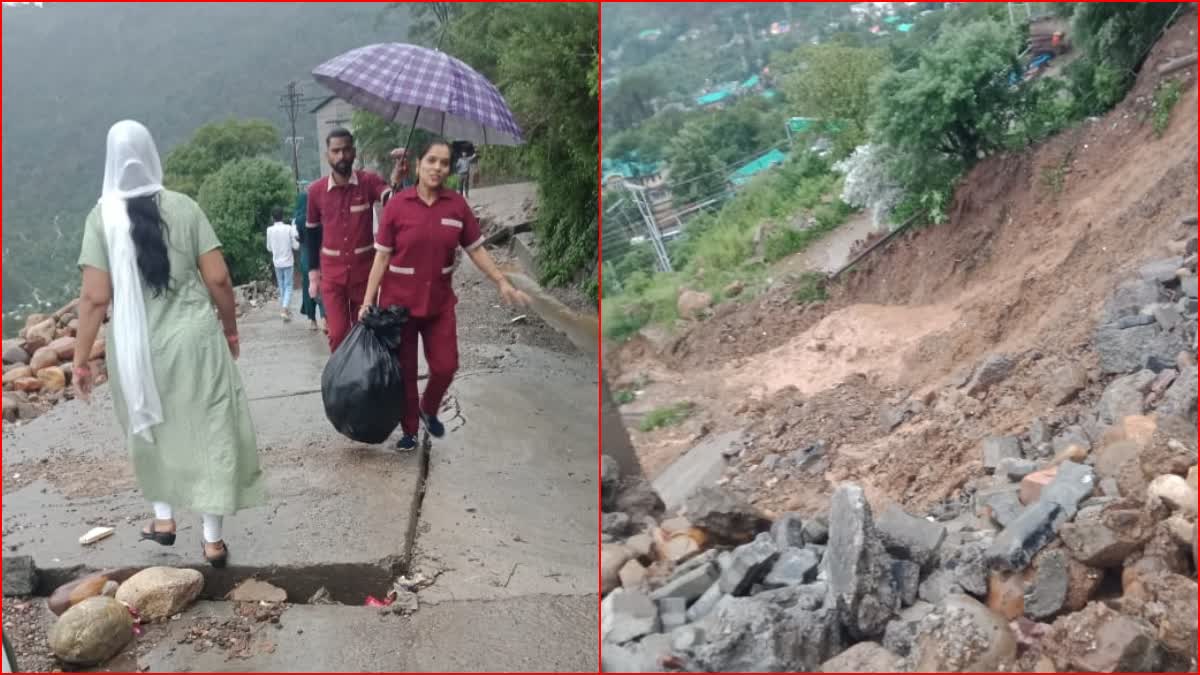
x,y
37,363
100,614
1074,550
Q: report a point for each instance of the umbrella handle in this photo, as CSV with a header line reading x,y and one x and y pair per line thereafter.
x,y
440,8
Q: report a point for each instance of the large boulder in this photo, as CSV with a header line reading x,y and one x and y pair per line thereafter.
x,y
74,592
45,357
20,372
962,635
14,351
160,592
787,630
91,632
692,303
1099,640
1125,396
726,519
1105,536
857,566
53,379
41,333
1124,350
994,369
64,347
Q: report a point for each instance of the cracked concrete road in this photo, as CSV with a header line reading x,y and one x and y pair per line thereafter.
x,y
507,520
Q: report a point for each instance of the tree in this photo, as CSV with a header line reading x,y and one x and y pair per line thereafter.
x,y
696,170
627,103
189,164
238,200
1115,38
956,103
834,83
544,60
709,147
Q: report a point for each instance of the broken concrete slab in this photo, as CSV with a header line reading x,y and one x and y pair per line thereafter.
x,y
700,466
795,567
816,530
672,613
627,615
750,564
706,602
996,449
856,566
757,634
1024,537
689,585
909,537
1047,591
788,531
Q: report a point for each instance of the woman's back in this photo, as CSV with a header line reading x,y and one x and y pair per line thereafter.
x,y
188,235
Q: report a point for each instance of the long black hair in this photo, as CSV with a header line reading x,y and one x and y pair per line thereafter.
x,y
148,231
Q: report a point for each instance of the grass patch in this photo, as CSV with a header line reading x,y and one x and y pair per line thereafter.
x,y
668,416
785,242
624,396
1166,95
719,249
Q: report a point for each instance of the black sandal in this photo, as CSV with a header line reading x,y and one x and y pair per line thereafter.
x,y
162,538
218,562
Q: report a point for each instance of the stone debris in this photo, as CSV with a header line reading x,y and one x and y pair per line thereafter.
x,y
1017,572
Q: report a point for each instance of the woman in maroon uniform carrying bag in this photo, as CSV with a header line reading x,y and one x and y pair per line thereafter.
x,y
419,233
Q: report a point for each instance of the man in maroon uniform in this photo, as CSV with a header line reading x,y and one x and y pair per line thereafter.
x,y
340,214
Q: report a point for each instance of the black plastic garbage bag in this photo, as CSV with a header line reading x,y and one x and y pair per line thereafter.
x,y
362,386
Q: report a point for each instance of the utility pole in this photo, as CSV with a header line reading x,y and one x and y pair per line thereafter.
x,y
638,195
290,103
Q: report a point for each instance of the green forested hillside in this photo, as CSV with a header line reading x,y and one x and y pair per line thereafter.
x,y
71,70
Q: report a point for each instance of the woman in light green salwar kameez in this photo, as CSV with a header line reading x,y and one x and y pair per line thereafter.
x,y
176,388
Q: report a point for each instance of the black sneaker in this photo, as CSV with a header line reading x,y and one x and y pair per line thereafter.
x,y
406,442
435,427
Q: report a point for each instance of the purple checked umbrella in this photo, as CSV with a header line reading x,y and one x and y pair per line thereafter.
x,y
424,87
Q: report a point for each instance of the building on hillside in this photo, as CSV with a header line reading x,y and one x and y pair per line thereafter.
x,y
649,175
755,167
751,84
715,100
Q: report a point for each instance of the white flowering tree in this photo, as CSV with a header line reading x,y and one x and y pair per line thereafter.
x,y
868,183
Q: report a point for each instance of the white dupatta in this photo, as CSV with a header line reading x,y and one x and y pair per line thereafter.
x,y
132,169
